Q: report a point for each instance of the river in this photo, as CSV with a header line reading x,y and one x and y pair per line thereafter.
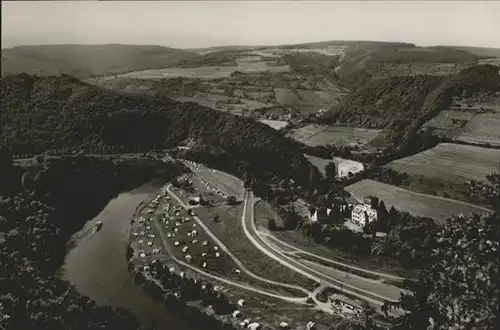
x,y
97,267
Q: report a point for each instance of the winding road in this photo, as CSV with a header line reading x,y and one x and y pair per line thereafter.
x,y
317,272
271,251
236,260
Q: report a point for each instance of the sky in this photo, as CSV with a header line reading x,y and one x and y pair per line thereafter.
x,y
197,24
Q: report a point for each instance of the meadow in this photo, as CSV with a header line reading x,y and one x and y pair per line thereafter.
x,y
483,128
450,162
317,135
207,72
437,208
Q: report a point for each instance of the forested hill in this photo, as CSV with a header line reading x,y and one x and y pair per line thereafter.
x,y
43,113
88,60
397,102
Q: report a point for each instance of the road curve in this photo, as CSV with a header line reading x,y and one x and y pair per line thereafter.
x,y
232,256
296,249
251,231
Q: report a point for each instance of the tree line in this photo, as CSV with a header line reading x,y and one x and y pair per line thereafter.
x,y
37,218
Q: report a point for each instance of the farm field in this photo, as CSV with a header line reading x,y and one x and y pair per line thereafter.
x,y
276,124
343,166
316,135
437,208
483,128
449,122
450,162
307,101
206,72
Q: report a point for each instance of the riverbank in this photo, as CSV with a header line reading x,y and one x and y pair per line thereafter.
x,y
38,217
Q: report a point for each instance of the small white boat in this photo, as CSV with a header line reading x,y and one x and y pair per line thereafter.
x,y
97,227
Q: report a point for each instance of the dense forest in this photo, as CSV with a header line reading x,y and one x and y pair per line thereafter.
x,y
402,105
37,218
397,101
46,113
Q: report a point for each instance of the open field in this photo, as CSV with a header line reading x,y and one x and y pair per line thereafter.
x,y
450,162
230,231
437,208
276,124
470,121
316,135
307,101
343,166
483,128
449,122
207,72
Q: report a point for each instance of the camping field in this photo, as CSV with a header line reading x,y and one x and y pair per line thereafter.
x,y
450,162
317,135
437,208
228,184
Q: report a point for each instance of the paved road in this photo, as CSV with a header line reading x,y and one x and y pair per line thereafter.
x,y
297,250
250,229
235,259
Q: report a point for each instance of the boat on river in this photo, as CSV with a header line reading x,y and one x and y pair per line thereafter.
x,y
97,227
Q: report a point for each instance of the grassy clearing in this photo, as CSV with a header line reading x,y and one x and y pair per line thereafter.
x,y
207,72
449,122
264,212
307,101
437,208
450,162
482,129
316,135
230,231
